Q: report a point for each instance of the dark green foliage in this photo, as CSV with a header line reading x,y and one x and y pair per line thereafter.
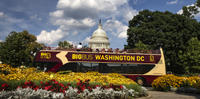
x,y
190,11
19,49
166,30
13,84
198,3
136,87
141,46
2,81
191,58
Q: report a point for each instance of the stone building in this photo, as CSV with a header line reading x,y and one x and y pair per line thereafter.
x,y
99,39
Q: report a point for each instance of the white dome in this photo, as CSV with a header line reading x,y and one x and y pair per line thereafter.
x,y
99,33
99,39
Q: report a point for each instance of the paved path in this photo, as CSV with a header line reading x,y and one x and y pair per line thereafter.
x,y
170,95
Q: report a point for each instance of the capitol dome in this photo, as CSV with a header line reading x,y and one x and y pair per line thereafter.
x,y
99,39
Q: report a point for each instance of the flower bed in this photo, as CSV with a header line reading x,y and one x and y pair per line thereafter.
x,y
82,90
31,74
30,83
170,82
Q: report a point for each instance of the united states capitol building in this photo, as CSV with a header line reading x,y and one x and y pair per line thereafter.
x,y
99,39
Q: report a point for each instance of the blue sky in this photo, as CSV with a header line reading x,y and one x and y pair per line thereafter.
x,y
52,21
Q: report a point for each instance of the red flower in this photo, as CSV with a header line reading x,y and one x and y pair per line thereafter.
x,y
36,88
30,82
66,87
26,83
97,85
41,82
61,85
78,84
24,86
46,83
56,82
47,87
63,91
82,88
4,85
121,87
53,80
89,88
68,84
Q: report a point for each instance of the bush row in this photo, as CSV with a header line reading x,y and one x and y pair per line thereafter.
x,y
169,82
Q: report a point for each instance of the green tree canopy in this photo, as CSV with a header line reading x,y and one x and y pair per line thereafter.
x,y
19,49
163,29
141,46
190,11
191,58
65,44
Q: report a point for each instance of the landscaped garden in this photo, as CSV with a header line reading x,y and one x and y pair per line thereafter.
x,y
32,83
18,83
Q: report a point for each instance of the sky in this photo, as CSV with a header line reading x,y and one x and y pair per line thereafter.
x,y
75,21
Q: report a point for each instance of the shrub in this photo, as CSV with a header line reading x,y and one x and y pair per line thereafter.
x,y
165,83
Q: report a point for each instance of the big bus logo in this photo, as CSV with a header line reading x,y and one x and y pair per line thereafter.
x,y
45,55
151,58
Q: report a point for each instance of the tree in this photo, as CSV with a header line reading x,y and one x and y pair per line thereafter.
x,y
191,57
65,44
190,11
19,49
141,46
166,30
198,3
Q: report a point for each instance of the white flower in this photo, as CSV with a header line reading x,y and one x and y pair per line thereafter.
x,y
58,95
97,93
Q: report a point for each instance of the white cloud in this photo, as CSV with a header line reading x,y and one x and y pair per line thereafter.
x,y
9,23
123,34
57,14
35,17
116,28
86,40
77,17
128,13
96,5
180,12
172,2
1,14
50,37
197,16
73,23
135,2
